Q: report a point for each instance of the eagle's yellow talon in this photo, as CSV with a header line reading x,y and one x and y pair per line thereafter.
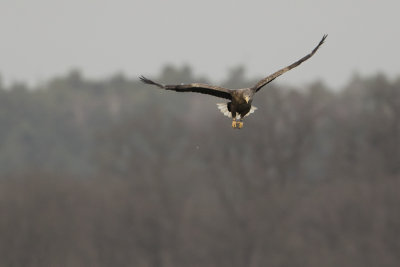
x,y
233,124
240,125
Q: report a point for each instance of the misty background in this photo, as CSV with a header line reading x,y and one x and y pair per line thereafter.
x,y
98,169
44,38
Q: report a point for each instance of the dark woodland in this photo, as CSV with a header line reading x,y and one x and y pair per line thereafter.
x,y
116,173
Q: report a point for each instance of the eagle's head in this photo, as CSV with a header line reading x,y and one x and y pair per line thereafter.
x,y
248,96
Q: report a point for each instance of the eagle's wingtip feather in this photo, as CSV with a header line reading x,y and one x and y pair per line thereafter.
x,y
323,38
143,79
148,81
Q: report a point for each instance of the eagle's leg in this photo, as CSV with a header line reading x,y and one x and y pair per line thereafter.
x,y
234,123
240,123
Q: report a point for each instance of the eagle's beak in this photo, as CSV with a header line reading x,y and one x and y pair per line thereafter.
x,y
247,99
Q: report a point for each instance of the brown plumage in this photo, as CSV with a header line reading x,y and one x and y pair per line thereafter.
x,y
241,99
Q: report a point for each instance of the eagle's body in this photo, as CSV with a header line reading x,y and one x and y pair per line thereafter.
x,y
239,106
240,99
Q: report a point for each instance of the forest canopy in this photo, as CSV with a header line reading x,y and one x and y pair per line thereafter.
x,y
69,123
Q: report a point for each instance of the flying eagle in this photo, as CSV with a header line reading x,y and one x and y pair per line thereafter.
x,y
240,99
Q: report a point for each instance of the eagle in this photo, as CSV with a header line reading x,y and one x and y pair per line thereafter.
x,y
239,105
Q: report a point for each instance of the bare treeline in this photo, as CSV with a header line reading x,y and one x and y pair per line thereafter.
x,y
114,173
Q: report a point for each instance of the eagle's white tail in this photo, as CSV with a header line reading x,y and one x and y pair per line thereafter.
x,y
224,109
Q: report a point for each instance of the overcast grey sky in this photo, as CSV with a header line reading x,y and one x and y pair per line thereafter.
x,y
43,38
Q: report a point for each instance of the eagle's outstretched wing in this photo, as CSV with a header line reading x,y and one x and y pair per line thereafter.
x,y
271,77
193,87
